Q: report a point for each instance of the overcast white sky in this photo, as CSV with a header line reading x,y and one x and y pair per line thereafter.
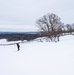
x,y
26,12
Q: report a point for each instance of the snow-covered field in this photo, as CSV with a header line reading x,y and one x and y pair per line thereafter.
x,y
38,58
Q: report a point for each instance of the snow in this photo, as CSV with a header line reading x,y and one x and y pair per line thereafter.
x,y
38,58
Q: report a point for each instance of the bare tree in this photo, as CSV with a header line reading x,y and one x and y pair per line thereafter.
x,y
50,24
69,28
72,26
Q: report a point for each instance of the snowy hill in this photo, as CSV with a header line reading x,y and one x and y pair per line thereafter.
x,y
38,58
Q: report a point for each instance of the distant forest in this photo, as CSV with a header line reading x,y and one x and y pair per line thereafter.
x,y
15,36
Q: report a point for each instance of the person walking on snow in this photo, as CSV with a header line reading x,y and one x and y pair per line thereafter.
x,y
18,46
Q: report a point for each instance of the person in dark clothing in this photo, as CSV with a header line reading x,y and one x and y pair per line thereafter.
x,y
18,46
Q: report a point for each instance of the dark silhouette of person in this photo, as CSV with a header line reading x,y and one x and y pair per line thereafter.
x,y
18,46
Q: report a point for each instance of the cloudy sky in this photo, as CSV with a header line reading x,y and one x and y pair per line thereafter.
x,y
26,12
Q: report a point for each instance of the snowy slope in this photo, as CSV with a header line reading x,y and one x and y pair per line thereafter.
x,y
39,58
